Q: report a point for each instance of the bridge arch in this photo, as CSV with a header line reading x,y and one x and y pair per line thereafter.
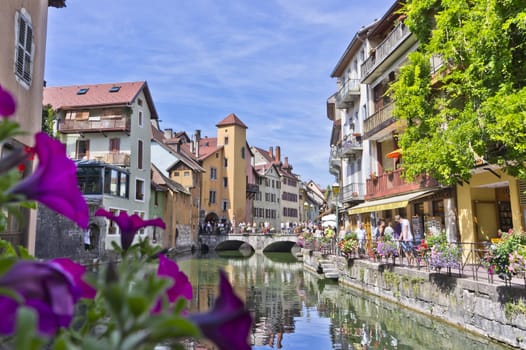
x,y
280,246
231,244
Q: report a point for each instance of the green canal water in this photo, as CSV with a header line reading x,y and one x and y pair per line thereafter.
x,y
295,310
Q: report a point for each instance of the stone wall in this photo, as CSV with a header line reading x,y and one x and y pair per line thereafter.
x,y
475,306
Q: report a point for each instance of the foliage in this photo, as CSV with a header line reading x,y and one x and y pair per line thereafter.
x,y
349,244
474,104
506,257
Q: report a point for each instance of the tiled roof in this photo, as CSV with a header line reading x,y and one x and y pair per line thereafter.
x,y
265,154
159,179
96,95
231,119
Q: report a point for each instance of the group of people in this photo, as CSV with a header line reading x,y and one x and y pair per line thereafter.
x,y
399,231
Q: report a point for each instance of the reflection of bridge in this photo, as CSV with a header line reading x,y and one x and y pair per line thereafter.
x,y
275,242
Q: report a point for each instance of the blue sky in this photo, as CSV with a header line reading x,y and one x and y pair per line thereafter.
x,y
269,62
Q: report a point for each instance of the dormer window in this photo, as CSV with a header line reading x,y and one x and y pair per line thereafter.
x,y
82,91
115,89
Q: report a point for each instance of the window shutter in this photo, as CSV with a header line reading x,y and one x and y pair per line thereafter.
x,y
24,50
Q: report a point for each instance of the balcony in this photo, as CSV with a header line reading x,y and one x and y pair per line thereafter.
x,y
353,192
335,161
384,51
381,123
94,125
252,188
391,183
114,158
352,146
348,93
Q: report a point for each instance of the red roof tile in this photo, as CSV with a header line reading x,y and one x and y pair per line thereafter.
x,y
231,119
67,97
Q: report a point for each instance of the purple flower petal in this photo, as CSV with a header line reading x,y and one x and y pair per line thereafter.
x,y
7,103
54,182
44,287
129,224
76,271
228,323
181,285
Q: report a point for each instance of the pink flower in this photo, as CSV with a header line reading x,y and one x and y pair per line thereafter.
x,y
54,182
228,323
7,103
181,286
129,224
50,288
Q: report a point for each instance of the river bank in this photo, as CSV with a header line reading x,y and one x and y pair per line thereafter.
x,y
478,307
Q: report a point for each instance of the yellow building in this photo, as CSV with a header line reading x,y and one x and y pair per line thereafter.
x,y
491,201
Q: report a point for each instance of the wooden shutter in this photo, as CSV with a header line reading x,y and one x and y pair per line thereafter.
x,y
24,50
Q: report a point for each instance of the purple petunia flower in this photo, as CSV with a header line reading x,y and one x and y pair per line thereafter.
x,y
54,182
50,288
129,224
7,103
181,285
228,323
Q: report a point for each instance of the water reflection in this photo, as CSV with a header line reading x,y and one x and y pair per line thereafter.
x,y
293,309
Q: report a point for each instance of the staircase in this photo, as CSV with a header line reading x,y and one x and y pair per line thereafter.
x,y
328,268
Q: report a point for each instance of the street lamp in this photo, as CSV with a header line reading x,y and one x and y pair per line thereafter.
x,y
336,195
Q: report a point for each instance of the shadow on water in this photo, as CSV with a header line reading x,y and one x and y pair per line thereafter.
x,y
287,258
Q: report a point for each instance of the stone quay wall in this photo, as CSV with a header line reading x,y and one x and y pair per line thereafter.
x,y
475,306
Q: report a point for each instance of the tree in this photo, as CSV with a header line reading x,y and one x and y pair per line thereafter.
x,y
48,114
472,107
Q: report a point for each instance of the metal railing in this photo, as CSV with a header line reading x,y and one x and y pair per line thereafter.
x,y
472,263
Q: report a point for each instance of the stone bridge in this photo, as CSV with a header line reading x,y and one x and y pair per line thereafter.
x,y
274,242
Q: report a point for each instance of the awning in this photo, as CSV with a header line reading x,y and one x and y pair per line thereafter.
x,y
397,153
387,203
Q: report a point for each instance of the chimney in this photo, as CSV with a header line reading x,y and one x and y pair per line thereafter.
x,y
278,154
197,138
168,133
178,145
271,153
286,164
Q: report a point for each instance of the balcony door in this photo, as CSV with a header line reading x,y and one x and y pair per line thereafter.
x,y
82,149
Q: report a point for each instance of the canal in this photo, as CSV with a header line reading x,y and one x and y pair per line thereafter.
x,y
295,310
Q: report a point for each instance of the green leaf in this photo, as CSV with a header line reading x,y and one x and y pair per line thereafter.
x,y
26,337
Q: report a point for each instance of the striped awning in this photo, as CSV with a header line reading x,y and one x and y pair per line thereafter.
x,y
388,203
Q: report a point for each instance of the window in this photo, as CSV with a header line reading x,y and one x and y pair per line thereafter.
x,y
176,173
140,118
212,198
213,173
139,154
225,163
115,89
139,102
224,205
186,173
24,47
243,152
82,91
226,140
115,145
225,182
82,149
156,198
139,190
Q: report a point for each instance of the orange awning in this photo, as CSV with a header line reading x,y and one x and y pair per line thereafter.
x,y
397,153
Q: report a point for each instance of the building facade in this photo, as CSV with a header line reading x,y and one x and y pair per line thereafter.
x,y
109,124
23,25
